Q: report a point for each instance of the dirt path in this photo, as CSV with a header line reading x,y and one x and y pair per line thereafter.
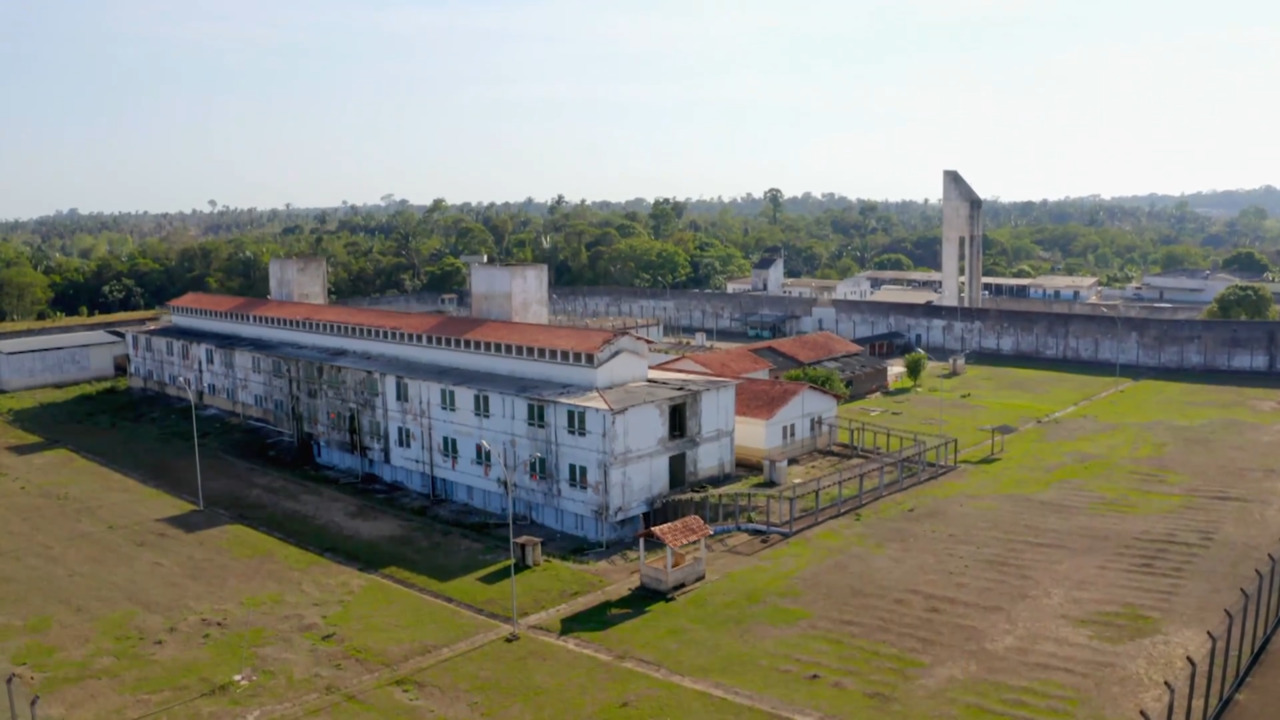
x,y
733,695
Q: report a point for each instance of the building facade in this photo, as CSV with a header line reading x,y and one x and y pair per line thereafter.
x,y
65,359
450,406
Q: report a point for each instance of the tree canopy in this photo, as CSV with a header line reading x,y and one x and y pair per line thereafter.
x,y
1243,302
825,378
108,261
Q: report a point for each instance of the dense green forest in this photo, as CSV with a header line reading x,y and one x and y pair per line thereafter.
x,y
88,263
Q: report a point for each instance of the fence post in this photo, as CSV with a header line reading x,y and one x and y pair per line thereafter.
x,y
8,686
768,511
862,477
1244,627
880,487
1208,676
1191,687
34,701
791,520
817,505
1144,715
1226,656
1168,713
1257,615
1271,585
840,499
737,516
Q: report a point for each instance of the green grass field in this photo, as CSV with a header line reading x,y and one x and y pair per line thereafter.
x,y
534,680
1042,585
116,599
984,395
152,439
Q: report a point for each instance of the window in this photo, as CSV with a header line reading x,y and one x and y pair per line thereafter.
x,y
676,419
186,351
134,339
277,366
448,400
484,455
589,359
537,467
404,437
577,422
278,404
147,344
537,415
226,358
173,379
208,356
168,348
259,401
257,364
480,404
814,424
230,392
402,390
788,433
449,447
375,429
371,385
578,476
211,389
151,374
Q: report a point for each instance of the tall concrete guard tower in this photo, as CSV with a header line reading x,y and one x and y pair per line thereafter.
x,y
961,233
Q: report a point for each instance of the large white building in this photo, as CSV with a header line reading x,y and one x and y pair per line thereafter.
x,y
590,441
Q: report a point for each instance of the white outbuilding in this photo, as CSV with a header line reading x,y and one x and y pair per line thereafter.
x,y
65,359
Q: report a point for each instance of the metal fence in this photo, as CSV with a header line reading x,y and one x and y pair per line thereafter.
x,y
21,699
1233,648
914,458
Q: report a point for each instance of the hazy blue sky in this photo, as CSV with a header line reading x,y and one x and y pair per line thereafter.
x,y
164,104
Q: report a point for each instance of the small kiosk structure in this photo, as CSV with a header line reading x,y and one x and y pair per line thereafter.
x,y
679,566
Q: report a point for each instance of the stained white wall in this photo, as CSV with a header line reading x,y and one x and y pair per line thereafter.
x,y
804,407
518,293
64,366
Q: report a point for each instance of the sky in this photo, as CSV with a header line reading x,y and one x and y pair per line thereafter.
x,y
125,105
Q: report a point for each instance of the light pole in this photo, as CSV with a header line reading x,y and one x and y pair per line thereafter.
x,y
511,530
1115,316
195,442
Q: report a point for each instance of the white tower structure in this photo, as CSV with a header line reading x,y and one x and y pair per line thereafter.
x,y
961,234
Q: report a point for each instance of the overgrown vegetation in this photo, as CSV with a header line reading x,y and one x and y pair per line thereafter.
x,y
76,263
824,378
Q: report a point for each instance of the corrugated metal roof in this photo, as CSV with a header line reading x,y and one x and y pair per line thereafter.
x,y
37,343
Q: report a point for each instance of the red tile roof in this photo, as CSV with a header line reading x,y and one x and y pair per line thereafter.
x,y
762,399
678,533
553,337
725,363
810,348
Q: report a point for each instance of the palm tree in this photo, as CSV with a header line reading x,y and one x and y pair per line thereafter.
x,y
774,197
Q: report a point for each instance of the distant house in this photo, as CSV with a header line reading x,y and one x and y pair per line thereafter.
x,y
66,359
1198,287
766,274
1063,287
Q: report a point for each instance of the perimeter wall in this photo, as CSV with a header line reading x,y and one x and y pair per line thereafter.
x,y
1153,342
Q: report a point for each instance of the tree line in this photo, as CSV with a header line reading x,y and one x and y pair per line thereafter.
x,y
87,263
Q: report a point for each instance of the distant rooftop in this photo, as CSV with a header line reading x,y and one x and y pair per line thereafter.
x,y
38,343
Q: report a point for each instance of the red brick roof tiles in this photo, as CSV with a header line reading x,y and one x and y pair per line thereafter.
x,y
545,336
678,533
810,348
725,363
762,399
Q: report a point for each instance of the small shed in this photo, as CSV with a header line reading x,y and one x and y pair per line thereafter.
x,y
675,569
63,359
528,550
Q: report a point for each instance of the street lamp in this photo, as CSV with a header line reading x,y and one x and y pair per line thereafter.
x,y
195,441
511,530
1115,316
